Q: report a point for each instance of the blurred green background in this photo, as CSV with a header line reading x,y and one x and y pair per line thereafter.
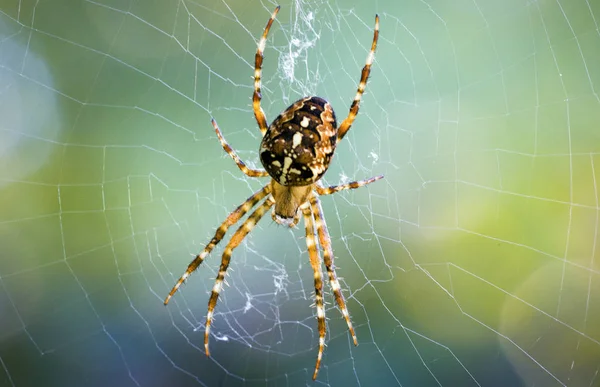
x,y
473,263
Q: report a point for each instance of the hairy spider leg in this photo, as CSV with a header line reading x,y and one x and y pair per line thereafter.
x,y
315,263
241,165
312,210
347,123
325,241
232,219
259,114
235,241
352,185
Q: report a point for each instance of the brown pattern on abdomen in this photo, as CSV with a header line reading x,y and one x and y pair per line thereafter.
x,y
299,144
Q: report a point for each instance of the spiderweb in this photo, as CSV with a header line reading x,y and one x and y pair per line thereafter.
x,y
473,263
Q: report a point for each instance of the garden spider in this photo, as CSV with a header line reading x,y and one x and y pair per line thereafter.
x,y
295,150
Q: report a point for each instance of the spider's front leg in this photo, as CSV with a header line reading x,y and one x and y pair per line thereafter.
x,y
234,242
325,241
232,219
315,263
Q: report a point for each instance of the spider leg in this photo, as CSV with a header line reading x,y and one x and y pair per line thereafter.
x,y
235,157
347,123
259,114
235,241
232,219
315,262
352,185
325,241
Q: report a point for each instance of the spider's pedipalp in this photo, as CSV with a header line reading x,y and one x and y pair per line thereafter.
x,y
315,263
234,242
232,219
283,221
259,114
325,241
352,185
241,165
347,123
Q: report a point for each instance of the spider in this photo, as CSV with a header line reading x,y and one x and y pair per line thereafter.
x,y
296,150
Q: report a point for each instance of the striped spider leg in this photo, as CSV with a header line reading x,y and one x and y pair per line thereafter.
x,y
234,242
295,151
232,219
259,114
320,225
347,123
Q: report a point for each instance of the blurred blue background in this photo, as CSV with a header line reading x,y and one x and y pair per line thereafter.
x,y
473,263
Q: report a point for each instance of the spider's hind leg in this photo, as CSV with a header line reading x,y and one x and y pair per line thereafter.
x,y
259,114
347,123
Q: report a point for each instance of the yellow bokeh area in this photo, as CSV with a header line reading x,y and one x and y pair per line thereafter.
x,y
473,262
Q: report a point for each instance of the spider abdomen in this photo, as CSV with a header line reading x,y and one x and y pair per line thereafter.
x,y
298,146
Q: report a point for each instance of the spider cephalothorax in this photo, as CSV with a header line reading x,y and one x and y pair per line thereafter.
x,y
296,151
